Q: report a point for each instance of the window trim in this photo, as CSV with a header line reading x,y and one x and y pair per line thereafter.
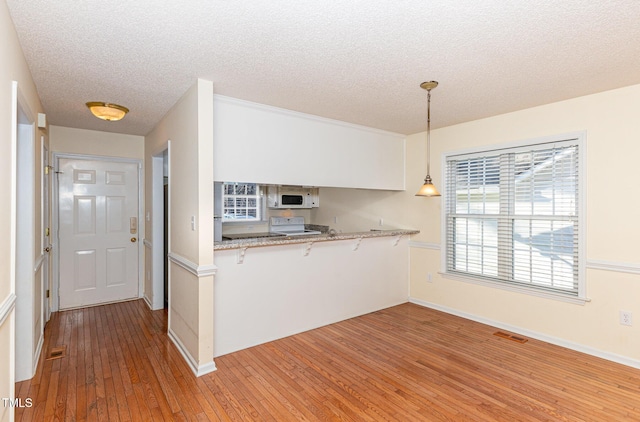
x,y
579,138
262,205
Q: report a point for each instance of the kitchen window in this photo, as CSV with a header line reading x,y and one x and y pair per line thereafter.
x,y
242,202
513,216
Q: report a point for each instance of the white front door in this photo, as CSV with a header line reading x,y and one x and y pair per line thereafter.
x,y
98,231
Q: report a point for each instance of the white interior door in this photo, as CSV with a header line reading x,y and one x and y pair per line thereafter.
x,y
98,231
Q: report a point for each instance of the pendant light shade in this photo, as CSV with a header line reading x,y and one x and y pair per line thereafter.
x,y
107,111
428,189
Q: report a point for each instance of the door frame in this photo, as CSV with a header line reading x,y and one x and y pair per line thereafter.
x,y
57,156
45,223
156,245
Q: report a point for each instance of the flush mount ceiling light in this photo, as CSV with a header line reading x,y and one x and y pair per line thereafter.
x,y
107,111
428,189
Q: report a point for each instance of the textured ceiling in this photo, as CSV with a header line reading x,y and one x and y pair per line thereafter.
x,y
352,60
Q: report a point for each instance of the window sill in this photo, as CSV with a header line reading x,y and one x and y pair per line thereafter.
x,y
518,289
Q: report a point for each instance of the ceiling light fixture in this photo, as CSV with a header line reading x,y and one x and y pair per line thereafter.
x,y
428,189
107,111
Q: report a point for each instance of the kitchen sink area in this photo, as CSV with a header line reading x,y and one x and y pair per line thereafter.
x,y
245,236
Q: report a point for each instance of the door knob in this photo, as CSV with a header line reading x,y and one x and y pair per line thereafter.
x,y
133,240
47,249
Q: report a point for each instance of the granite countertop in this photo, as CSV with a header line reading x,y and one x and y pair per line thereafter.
x,y
323,237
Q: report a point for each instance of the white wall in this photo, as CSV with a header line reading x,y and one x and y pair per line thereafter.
x,y
262,144
278,291
187,127
612,127
14,68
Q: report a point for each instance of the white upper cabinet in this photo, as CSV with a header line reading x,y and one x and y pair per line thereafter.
x,y
268,145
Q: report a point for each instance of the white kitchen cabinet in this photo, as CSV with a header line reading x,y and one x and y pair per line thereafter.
x,y
268,145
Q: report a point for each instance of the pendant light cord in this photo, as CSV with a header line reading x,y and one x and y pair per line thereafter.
x,y
428,132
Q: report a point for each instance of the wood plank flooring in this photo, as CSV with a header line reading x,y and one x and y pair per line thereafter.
x,y
405,363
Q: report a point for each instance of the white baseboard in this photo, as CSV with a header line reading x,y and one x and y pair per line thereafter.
x,y
197,370
146,300
634,363
36,356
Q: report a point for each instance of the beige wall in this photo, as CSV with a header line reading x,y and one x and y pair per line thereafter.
x,y
91,142
612,127
14,68
188,129
349,210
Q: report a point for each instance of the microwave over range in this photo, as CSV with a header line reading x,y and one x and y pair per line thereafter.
x,y
292,197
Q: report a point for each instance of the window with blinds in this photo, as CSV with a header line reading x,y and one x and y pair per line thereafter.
x,y
512,216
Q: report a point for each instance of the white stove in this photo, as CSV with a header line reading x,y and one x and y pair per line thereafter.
x,y
289,226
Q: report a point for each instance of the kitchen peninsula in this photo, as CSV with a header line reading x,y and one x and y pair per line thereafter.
x,y
255,242
270,288
273,287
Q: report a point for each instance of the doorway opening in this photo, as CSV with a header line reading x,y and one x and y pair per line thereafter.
x,y
165,218
158,294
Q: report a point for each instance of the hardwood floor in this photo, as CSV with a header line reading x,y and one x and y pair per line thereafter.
x,y
405,363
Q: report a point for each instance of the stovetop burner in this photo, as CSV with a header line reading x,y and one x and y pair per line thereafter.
x,y
289,226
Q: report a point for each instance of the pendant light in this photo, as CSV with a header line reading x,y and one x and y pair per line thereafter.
x,y
107,111
428,189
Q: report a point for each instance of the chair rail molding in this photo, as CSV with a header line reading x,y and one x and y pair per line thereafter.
x,y
7,307
192,267
621,267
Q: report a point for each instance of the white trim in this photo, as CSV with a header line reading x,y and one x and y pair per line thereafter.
x,y
198,371
157,232
621,267
15,98
90,157
578,138
147,243
634,363
36,356
38,263
141,227
7,307
424,245
192,267
297,114
146,300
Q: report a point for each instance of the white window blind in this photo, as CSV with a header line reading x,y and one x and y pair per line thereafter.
x,y
512,216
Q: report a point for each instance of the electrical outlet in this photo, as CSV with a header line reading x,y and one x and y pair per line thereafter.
x,y
626,318
381,222
429,278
